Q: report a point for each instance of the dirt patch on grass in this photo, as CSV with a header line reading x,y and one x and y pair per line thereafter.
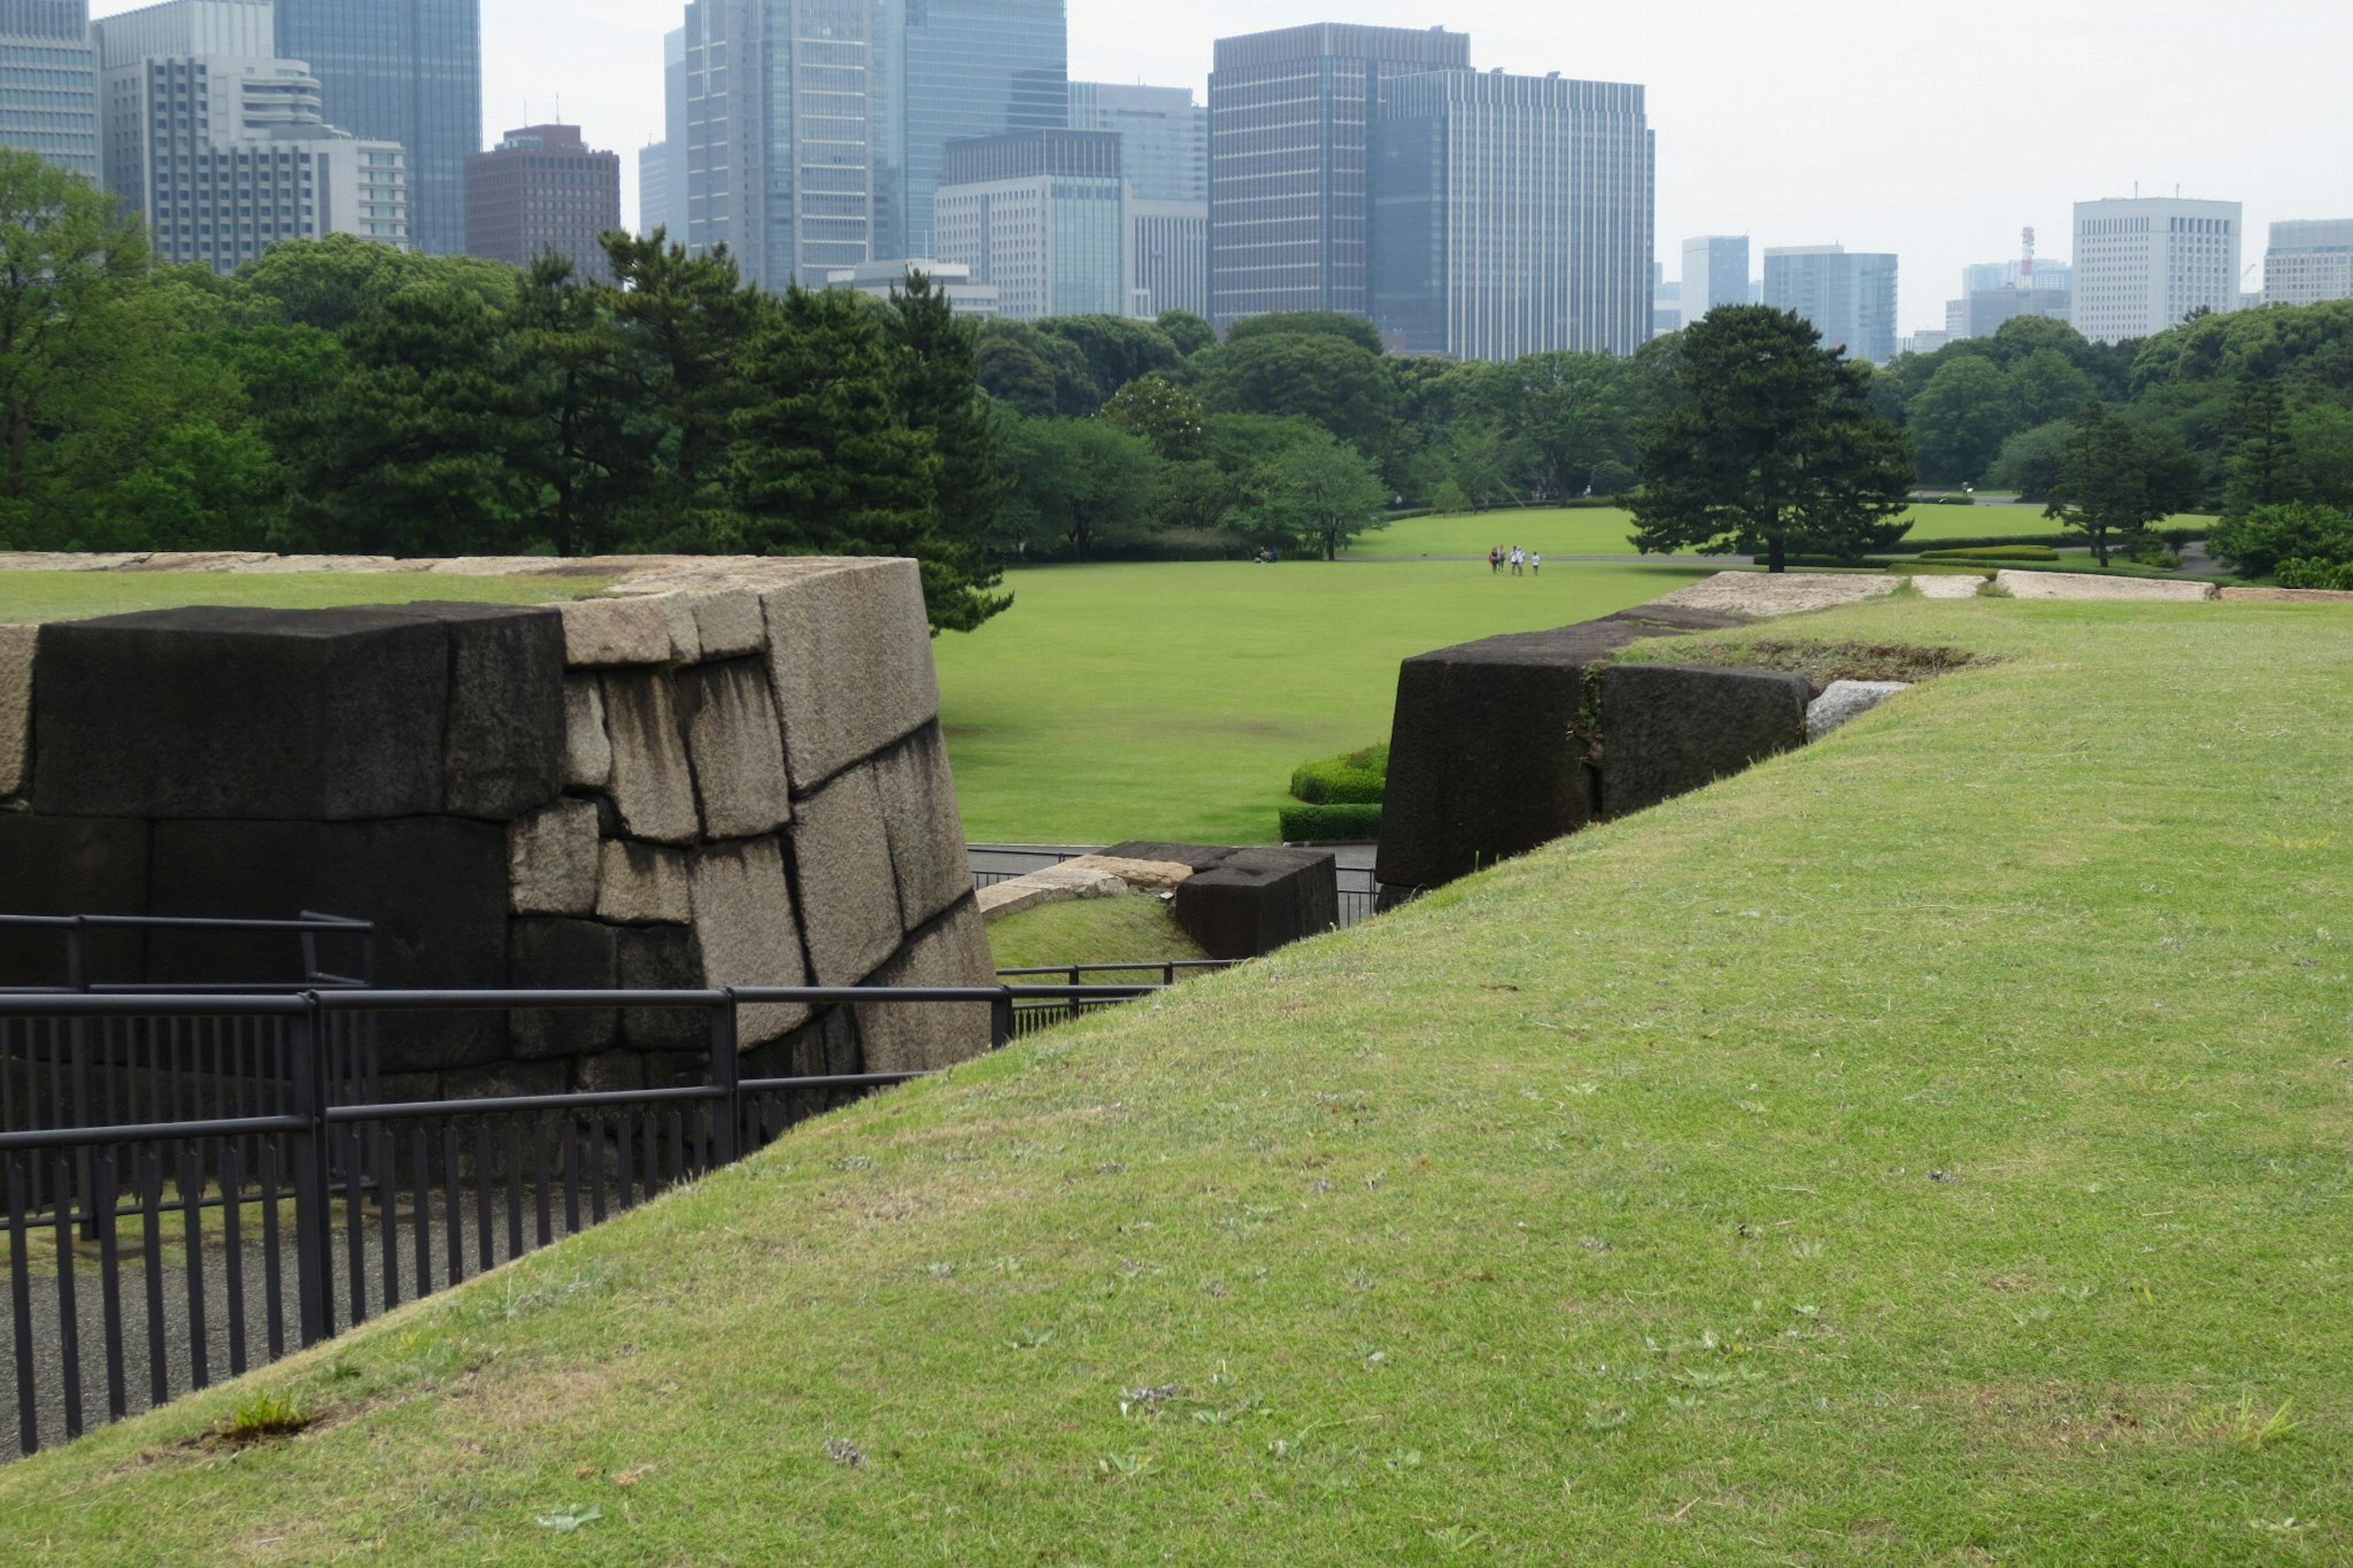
x,y
2062,1418
1824,662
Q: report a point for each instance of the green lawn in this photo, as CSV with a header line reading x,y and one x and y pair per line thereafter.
x,y
1173,701
1931,1147
74,596
1137,930
1603,532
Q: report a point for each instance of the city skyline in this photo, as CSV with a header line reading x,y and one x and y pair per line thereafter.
x,y
1920,163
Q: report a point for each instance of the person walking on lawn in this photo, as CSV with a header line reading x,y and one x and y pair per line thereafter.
x,y
1496,558
1519,560
1536,566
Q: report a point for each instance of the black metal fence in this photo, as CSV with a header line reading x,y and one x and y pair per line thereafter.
x,y
149,1257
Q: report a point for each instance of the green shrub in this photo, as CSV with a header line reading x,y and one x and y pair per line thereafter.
x,y
1830,562
1330,824
2302,573
1356,779
1993,553
2257,545
1922,546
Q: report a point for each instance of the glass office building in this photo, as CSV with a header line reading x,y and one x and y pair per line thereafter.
x,y
957,70
1164,136
1290,133
48,83
402,70
1848,298
1511,216
1041,216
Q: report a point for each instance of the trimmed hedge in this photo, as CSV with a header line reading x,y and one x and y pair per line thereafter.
x,y
1330,824
2322,574
1993,553
1356,779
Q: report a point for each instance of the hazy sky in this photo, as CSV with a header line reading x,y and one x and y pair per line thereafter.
x,y
1938,131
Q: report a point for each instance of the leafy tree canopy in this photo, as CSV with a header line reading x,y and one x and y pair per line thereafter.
x,y
1307,324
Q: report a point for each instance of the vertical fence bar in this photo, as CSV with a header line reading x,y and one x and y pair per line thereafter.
x,y
1001,1018
233,1250
621,1161
151,1246
20,1305
571,1176
483,1249
421,1188
104,1201
452,1214
388,1218
69,1309
273,1285
727,1077
192,1209
354,1223
514,1191
313,1225
539,1179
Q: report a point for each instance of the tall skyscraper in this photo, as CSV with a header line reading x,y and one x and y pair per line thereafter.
x,y
1716,272
544,191
1848,298
1164,150
222,145
48,83
1290,133
661,167
955,70
402,70
1040,215
781,133
1511,214
2309,262
2144,266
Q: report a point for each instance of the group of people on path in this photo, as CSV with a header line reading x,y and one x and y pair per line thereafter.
x,y
1517,559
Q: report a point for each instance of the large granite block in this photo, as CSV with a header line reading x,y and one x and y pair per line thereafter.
x,y
922,1036
17,646
661,958
730,622
563,955
745,930
926,826
314,715
506,740
552,860
849,652
737,747
588,752
435,887
1256,900
841,863
71,866
652,783
610,632
1667,730
642,884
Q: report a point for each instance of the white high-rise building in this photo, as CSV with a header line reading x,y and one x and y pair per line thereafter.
x,y
2309,262
223,146
2145,265
1716,272
1040,216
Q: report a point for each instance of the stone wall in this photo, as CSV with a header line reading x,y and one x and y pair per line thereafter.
x,y
719,774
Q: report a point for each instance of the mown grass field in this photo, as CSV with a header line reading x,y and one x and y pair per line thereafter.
x,y
1173,701
77,596
1933,1147
1137,929
1603,531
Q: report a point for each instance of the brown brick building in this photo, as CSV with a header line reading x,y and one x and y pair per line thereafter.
x,y
543,190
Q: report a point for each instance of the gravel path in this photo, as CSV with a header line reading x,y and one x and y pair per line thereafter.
x,y
1769,595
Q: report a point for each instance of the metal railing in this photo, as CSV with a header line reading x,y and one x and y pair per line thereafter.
x,y
146,1257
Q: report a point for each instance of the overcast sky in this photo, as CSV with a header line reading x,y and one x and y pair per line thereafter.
x,y
1932,128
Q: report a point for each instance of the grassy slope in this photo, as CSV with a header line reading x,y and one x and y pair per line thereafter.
x,y
1173,701
1891,1155
74,595
1092,930
1602,531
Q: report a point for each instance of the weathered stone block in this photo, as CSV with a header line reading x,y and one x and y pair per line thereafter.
x,y
911,1037
587,750
552,860
737,749
1257,901
1846,700
642,884
614,1072
71,866
745,930
610,632
506,739
926,826
17,646
652,784
850,651
504,1080
1051,885
563,955
849,899
435,887
312,715
661,958
730,623
1667,730
2090,586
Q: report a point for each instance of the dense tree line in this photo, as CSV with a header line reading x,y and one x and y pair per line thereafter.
x,y
344,398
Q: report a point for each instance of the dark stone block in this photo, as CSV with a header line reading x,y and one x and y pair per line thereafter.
x,y
662,958
1488,753
563,955
1667,730
1200,857
1256,900
502,1080
435,887
504,752
307,715
614,1072
71,866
